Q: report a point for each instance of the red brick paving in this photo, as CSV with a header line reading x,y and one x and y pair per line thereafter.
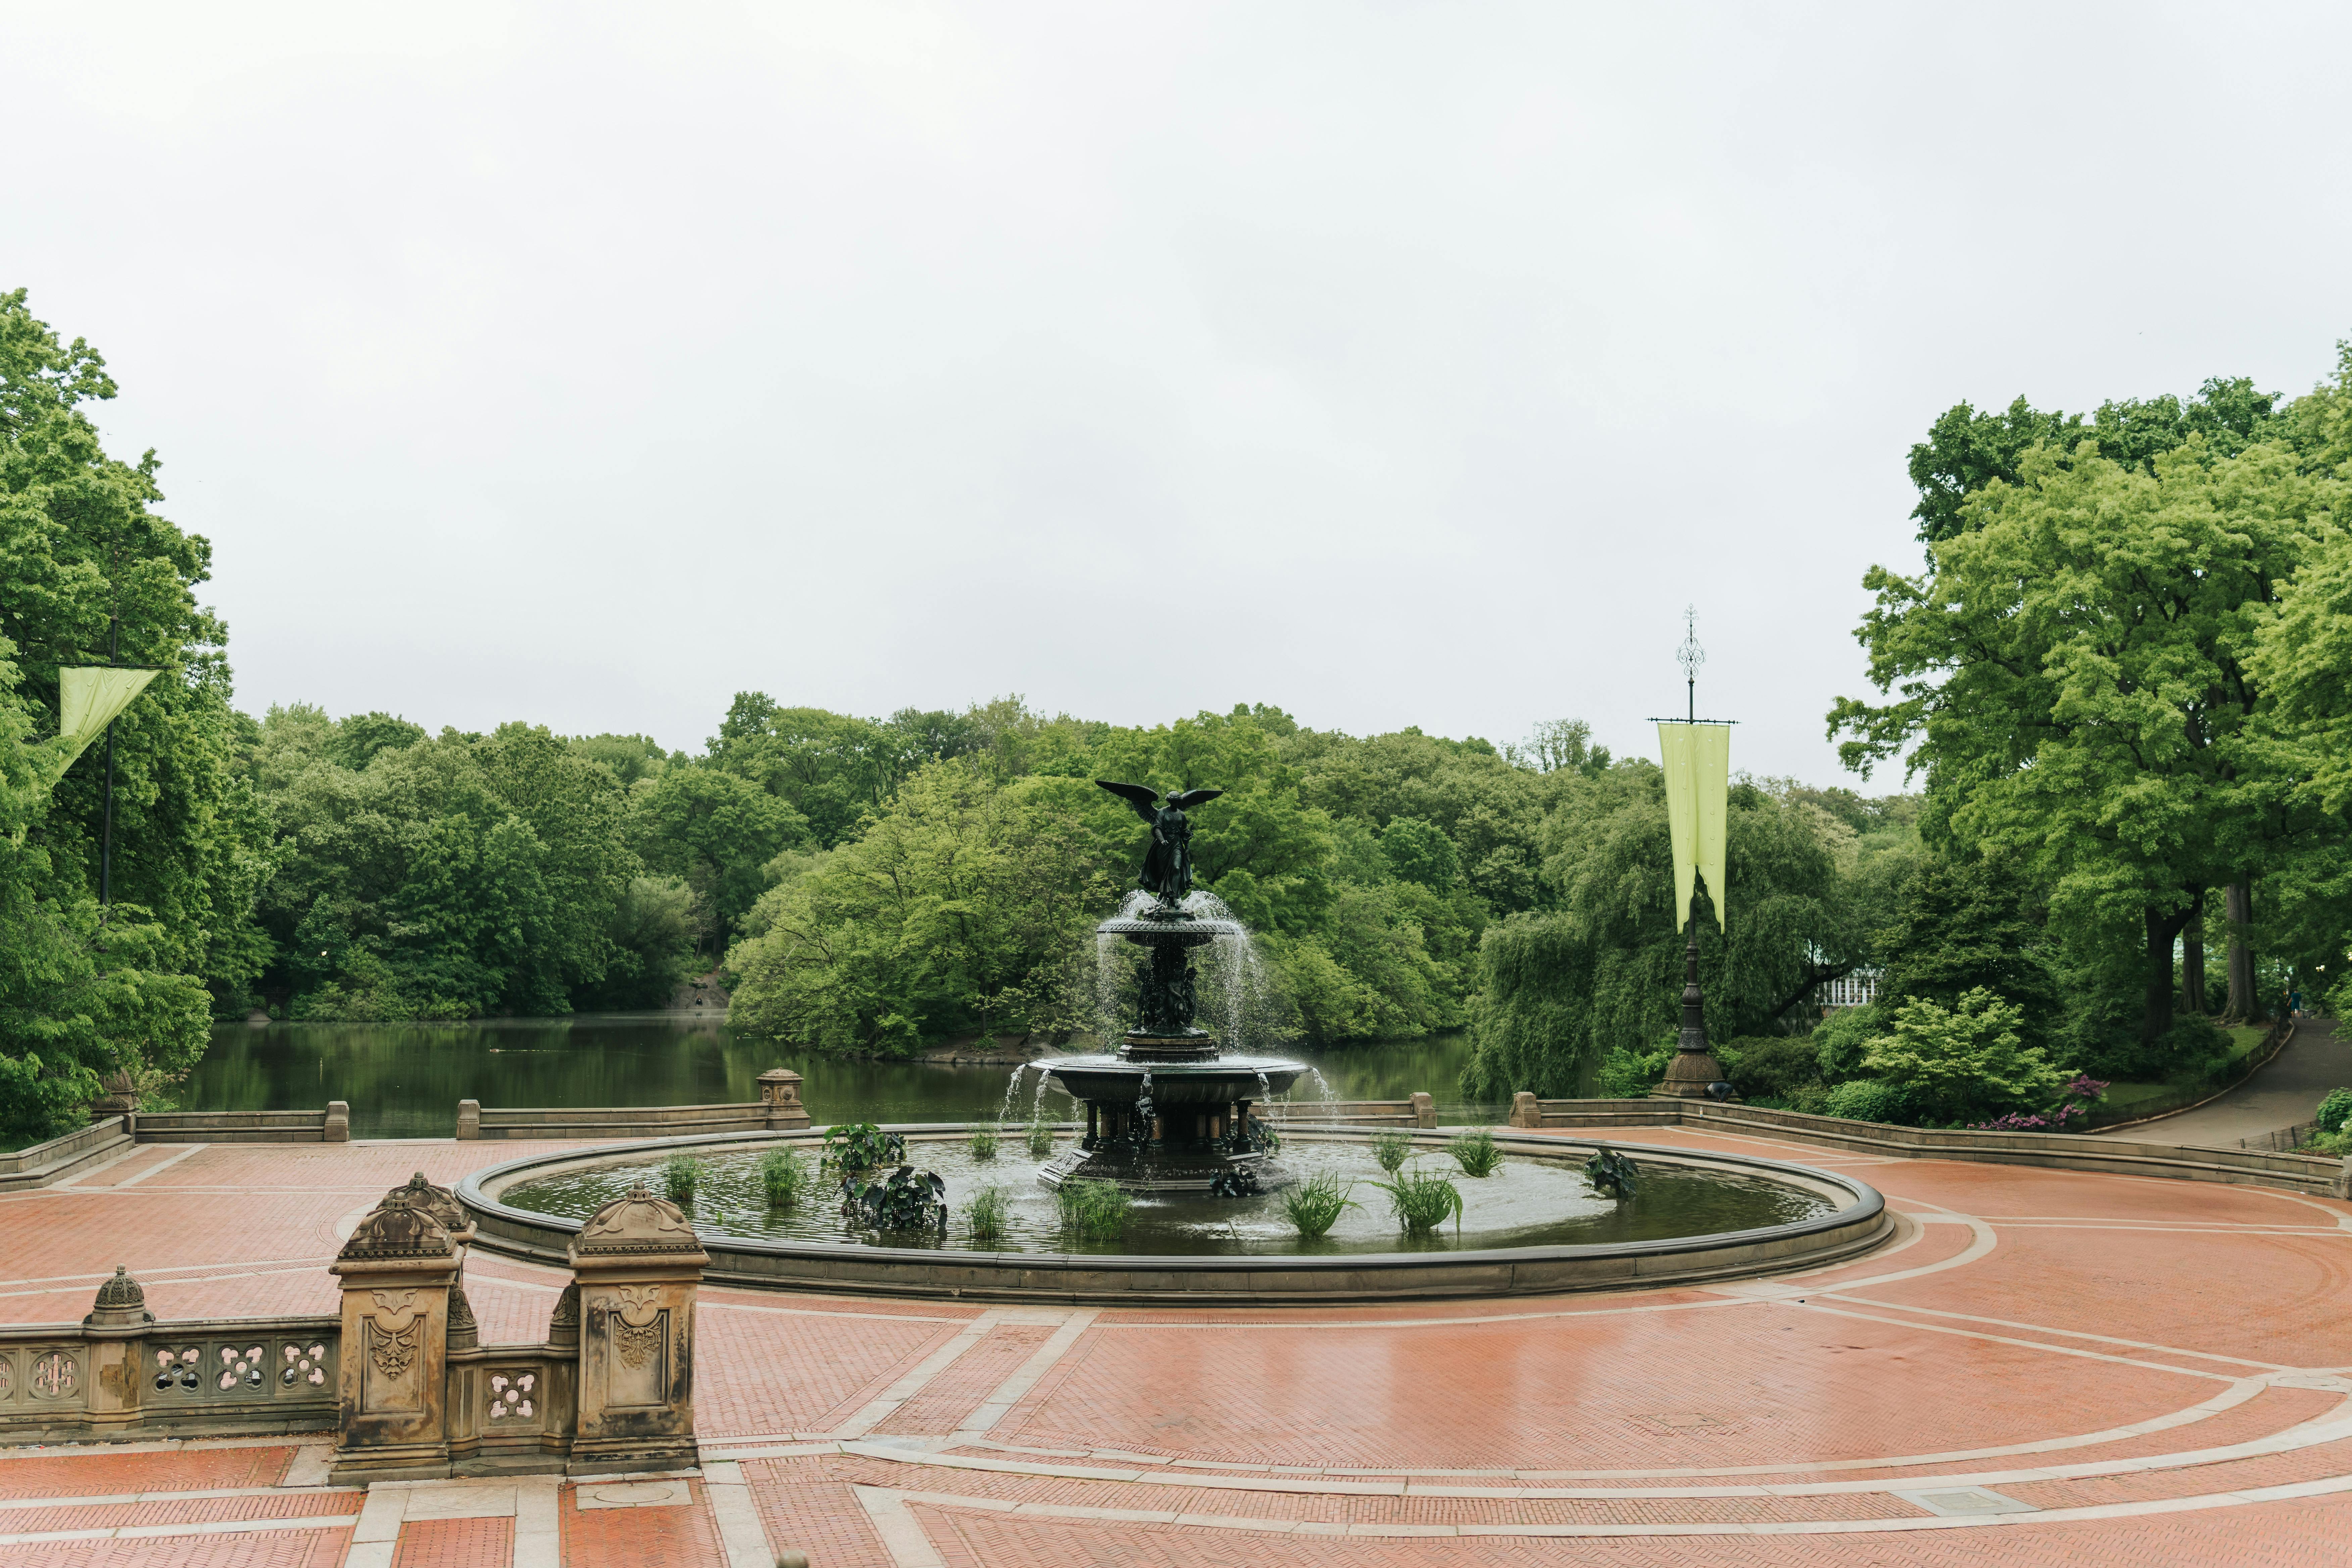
x,y
276,1549
1639,1380
969,1379
102,1474
455,1544
677,1537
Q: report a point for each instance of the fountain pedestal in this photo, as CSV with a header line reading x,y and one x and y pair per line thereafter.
x,y
1169,1112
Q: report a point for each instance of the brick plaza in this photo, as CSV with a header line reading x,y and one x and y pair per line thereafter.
x,y
2042,1367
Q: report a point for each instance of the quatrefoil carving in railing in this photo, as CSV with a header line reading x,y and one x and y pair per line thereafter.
x,y
512,1395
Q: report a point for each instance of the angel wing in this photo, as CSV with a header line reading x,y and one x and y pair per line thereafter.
x,y
1143,797
1192,798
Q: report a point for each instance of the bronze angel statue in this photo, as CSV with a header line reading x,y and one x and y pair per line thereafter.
x,y
1168,868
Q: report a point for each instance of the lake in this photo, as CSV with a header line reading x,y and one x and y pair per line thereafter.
x,y
404,1080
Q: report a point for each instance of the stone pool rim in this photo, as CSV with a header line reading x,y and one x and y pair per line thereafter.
x,y
851,1268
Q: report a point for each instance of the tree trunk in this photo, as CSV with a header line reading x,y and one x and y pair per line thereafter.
x,y
2192,966
2238,902
2163,928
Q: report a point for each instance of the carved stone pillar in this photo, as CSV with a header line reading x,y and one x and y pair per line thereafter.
x,y
1525,1110
780,1091
637,1265
116,1331
1424,1109
392,1419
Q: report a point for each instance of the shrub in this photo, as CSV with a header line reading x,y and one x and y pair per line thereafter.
x,y
1774,1069
1391,1148
983,1142
1420,1201
680,1174
1631,1075
984,1213
906,1199
1316,1205
2335,1111
861,1146
784,1176
1866,1100
1039,1136
1837,1041
1952,1063
2338,1143
1475,1152
1097,1210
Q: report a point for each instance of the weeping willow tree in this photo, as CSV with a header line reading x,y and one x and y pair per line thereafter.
x,y
1558,989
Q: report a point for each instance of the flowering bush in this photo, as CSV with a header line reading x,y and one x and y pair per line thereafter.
x,y
2073,1109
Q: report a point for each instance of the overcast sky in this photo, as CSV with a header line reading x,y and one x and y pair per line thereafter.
x,y
1398,365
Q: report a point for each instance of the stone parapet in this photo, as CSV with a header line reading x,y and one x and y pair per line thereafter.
x,y
121,1376
2059,1151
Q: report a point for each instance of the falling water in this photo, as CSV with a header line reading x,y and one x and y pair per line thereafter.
x,y
1012,1088
1143,1101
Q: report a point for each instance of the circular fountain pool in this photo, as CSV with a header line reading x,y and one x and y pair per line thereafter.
x,y
1534,1226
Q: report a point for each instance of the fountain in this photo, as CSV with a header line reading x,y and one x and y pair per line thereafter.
x,y
1169,1112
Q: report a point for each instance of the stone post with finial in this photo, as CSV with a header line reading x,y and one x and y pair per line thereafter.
x,y
779,1092
393,1380
637,1265
116,1331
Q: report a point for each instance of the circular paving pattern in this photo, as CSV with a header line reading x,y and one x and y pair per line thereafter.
x,y
2041,1366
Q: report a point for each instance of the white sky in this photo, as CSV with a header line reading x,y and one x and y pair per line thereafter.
x,y
1394,363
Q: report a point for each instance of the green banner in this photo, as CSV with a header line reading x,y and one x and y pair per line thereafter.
x,y
1698,758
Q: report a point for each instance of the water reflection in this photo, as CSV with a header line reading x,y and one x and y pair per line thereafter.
x,y
404,1080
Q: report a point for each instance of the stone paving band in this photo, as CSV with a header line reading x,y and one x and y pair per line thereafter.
x,y
2038,1365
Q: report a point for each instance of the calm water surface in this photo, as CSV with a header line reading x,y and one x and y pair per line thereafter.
x,y
1525,1202
404,1080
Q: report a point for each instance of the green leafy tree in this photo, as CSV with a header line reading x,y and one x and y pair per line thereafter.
x,y
957,911
2074,675
1561,990
718,831
1964,1061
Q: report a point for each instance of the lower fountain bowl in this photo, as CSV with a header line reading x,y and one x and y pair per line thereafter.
x,y
1842,1217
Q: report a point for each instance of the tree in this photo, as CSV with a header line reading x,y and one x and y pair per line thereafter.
x,y
2074,675
94,574
958,910
717,831
1558,990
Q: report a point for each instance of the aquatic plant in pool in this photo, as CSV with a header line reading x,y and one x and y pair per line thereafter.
x,y
1475,1152
984,1211
905,1200
983,1142
784,1177
861,1146
1040,1138
1097,1210
1391,1148
1611,1174
1314,1204
1422,1200
680,1174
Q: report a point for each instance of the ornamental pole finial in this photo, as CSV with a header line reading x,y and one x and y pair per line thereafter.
x,y
1690,656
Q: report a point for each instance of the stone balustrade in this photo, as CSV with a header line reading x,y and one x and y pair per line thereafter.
x,y
2059,1151
399,1375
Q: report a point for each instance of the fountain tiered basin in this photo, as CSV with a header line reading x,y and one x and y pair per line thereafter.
x,y
1169,1112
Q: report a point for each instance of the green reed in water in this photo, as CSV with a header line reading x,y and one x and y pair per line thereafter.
x,y
984,1213
1316,1205
784,1175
